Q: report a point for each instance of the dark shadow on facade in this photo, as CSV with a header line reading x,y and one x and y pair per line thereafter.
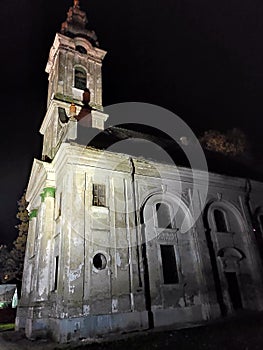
x,y
147,290
212,255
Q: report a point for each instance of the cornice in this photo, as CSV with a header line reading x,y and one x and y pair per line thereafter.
x,y
82,156
63,42
54,103
42,176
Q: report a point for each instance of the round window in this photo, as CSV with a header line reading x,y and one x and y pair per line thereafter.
x,y
99,261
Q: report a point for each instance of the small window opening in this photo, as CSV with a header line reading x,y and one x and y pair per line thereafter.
x,y
99,197
220,221
81,49
80,78
169,266
56,273
99,261
163,215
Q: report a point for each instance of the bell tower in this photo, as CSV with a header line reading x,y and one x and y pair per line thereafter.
x,y
74,70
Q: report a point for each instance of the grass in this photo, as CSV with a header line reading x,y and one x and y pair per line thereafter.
x,y
7,327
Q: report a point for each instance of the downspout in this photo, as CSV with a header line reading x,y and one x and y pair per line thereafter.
x,y
213,260
129,239
248,189
84,247
255,225
147,293
132,167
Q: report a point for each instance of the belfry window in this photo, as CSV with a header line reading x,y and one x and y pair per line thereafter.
x,y
81,49
80,78
163,215
169,266
220,220
99,195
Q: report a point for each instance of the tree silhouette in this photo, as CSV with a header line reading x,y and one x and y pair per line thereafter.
x,y
234,142
12,261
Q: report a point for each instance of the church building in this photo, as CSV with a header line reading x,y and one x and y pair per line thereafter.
x,y
113,246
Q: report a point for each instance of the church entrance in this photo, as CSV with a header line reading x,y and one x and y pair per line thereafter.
x,y
233,290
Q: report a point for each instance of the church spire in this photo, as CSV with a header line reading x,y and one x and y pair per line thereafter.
x,y
76,3
76,25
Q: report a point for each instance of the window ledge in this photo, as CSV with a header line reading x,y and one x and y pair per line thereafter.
x,y
98,209
77,93
225,233
77,89
172,286
172,230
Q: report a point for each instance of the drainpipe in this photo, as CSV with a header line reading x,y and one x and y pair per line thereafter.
x,y
132,167
255,225
128,232
147,292
84,247
248,189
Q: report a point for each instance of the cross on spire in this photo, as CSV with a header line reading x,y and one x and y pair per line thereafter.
x,y
76,3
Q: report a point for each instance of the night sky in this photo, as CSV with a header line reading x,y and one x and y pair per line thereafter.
x,y
202,60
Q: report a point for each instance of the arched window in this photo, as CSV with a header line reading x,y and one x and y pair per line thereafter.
x,y
80,78
220,220
163,215
81,49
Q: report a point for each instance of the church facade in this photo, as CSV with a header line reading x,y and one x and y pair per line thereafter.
x,y
106,249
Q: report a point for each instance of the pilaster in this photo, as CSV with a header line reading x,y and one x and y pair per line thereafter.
x,y
46,229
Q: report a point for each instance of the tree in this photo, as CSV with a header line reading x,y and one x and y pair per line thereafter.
x,y
4,257
19,245
12,261
234,142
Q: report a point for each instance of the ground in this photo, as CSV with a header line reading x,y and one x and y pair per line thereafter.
x,y
243,332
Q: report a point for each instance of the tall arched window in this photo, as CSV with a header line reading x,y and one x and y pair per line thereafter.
x,y
163,215
80,78
220,220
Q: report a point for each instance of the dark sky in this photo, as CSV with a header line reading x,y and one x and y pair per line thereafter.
x,y
202,60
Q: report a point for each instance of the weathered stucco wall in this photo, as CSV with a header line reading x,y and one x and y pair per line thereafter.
x,y
88,301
